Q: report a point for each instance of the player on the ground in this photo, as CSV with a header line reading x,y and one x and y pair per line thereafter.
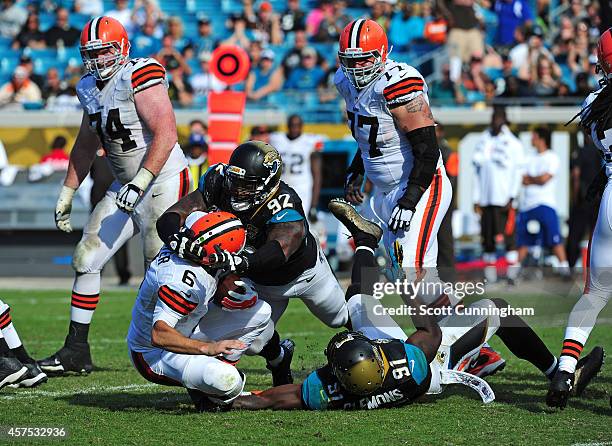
x,y
127,111
183,333
596,118
17,367
378,366
282,258
301,162
389,117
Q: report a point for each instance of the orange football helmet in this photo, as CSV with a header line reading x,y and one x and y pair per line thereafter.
x,y
217,228
104,47
604,53
363,41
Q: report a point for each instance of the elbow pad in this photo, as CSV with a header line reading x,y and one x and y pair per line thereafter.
x,y
266,258
426,154
167,225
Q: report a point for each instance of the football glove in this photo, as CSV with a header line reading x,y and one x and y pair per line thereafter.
x,y
352,188
63,209
184,245
227,261
244,297
400,218
130,193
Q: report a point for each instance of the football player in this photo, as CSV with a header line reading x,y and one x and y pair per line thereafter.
x,y
595,118
182,334
389,117
378,366
282,258
126,110
17,368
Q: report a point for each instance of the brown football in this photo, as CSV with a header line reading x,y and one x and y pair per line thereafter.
x,y
225,285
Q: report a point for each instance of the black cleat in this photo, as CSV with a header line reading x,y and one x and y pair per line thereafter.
x,y
365,232
560,387
587,368
70,358
11,370
281,374
206,403
34,377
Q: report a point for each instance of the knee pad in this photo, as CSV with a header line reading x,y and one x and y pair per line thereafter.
x,y
213,377
84,257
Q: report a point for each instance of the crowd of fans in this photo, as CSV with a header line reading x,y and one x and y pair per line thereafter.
x,y
496,48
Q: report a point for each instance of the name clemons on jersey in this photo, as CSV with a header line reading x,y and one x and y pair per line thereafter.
x,y
385,150
112,115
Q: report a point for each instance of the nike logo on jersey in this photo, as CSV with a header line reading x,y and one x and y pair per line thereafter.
x,y
279,217
310,280
156,195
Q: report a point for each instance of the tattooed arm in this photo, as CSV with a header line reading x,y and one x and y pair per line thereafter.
x,y
414,115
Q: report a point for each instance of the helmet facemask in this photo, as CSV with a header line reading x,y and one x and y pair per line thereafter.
x,y
246,191
103,59
361,76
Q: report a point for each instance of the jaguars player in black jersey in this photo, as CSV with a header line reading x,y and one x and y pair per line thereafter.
x,y
378,366
282,257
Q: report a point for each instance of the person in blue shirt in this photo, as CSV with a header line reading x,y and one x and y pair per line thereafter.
x,y
376,365
145,43
308,75
510,14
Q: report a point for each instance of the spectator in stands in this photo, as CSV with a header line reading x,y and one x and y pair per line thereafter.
x,y
91,8
30,35
473,82
308,75
436,26
237,24
197,156
294,18
545,77
147,10
465,37
61,31
293,58
267,22
254,50
123,14
327,87
533,51
168,53
204,81
334,21
260,133
577,11
180,90
57,157
578,51
406,26
145,43
205,42
177,32
315,17
12,18
261,82
20,89
510,14
57,94
444,91
515,88
488,18
377,13
26,62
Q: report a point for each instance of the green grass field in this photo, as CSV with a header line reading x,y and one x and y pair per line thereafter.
x,y
114,405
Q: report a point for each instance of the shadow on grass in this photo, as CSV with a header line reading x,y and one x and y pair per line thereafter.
x,y
176,403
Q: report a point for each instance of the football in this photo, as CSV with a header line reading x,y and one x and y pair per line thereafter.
x,y
226,285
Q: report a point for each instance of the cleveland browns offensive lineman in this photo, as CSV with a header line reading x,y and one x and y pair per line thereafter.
x,y
378,366
282,258
126,110
389,116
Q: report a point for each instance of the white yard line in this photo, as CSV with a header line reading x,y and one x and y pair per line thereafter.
x,y
26,394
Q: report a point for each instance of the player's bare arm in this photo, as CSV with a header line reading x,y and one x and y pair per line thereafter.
x,y
428,335
165,337
81,158
539,180
317,179
416,121
284,397
288,235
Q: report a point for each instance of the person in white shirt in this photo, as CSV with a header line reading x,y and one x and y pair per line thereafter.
x,y
206,81
538,201
498,163
302,162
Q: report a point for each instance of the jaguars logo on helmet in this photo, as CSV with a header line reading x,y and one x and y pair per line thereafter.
x,y
253,174
356,362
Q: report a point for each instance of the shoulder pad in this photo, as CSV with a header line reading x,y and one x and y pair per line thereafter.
x,y
400,83
145,73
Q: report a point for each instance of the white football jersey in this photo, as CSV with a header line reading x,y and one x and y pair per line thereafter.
x,y
113,116
385,150
295,154
602,139
175,291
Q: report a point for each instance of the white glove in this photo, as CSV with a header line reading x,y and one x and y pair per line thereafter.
x,y
244,298
130,193
400,219
63,209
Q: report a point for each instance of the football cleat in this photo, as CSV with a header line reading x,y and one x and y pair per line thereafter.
x,y
364,232
559,390
73,358
206,403
281,374
34,377
587,368
487,363
11,370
